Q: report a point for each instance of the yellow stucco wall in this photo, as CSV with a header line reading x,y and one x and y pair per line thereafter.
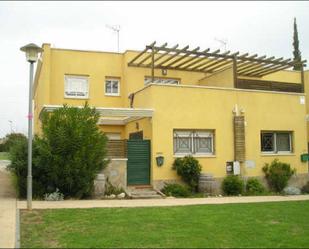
x,y
223,78
113,129
212,109
179,107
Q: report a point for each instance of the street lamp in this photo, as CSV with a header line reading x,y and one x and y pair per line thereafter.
x,y
32,51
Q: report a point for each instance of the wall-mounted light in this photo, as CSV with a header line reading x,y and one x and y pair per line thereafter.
x,y
160,160
137,126
164,71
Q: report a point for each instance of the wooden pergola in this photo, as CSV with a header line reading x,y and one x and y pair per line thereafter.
x,y
206,61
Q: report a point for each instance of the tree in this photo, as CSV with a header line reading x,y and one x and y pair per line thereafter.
x,y
296,52
68,155
11,139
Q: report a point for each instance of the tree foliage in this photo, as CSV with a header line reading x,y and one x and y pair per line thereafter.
x,y
68,155
278,174
296,52
10,140
189,169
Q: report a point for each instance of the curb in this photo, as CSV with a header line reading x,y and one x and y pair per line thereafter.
x,y
17,230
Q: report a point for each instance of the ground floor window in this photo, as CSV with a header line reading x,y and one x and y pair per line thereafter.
x,y
193,142
276,142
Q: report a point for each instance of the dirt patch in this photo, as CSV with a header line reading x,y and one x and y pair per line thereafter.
x,y
31,217
6,186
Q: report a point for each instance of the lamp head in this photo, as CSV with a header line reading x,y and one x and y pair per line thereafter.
x,y
32,51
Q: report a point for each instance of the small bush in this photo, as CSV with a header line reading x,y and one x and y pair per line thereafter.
x,y
232,185
56,196
278,174
112,190
189,169
291,191
254,187
305,188
176,190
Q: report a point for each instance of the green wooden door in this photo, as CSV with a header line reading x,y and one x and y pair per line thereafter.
x,y
138,166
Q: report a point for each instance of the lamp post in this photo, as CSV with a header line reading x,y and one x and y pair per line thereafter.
x,y
32,51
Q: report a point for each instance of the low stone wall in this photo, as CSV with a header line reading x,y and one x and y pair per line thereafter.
x,y
115,173
213,186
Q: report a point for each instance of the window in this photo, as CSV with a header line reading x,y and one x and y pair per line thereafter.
x,y
112,87
276,142
161,81
76,87
193,142
113,136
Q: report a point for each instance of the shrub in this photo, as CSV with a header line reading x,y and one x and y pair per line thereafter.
x,y
56,196
291,191
254,187
189,169
110,189
305,188
232,185
278,174
176,190
11,139
19,167
68,156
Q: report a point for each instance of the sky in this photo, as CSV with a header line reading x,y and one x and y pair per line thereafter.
x,y
254,27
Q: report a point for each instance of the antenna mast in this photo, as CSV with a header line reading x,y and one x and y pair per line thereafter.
x,y
115,28
223,42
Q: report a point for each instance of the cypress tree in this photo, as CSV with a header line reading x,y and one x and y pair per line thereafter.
x,y
296,52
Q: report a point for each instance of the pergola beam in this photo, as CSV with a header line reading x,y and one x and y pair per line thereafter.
x,y
174,55
190,59
254,69
183,59
210,61
199,60
149,55
268,67
141,53
161,55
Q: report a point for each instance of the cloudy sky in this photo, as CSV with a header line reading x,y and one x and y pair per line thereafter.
x,y
254,27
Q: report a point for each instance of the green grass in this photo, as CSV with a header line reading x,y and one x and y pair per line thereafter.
x,y
4,156
268,225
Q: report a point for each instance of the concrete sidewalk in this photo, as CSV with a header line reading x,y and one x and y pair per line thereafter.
x,y
7,209
157,202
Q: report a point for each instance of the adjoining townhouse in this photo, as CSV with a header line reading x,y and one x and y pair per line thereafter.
x,y
164,102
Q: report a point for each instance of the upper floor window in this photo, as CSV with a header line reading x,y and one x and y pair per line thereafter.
x,y
276,142
161,81
112,87
76,87
193,142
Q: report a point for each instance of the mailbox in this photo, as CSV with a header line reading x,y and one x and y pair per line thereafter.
x,y
304,157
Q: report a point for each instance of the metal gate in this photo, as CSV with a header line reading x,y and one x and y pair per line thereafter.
x,y
138,166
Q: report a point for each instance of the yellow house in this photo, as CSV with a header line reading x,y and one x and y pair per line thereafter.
x,y
233,112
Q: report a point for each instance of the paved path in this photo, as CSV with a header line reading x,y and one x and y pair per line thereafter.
x,y
157,202
7,209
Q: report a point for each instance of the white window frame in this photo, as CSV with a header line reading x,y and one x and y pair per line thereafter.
x,y
66,82
112,81
195,134
148,80
275,150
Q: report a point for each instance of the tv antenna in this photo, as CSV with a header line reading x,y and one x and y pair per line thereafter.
x,y
223,42
115,28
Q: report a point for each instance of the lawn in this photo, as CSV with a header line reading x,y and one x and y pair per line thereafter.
x,y
268,225
4,156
